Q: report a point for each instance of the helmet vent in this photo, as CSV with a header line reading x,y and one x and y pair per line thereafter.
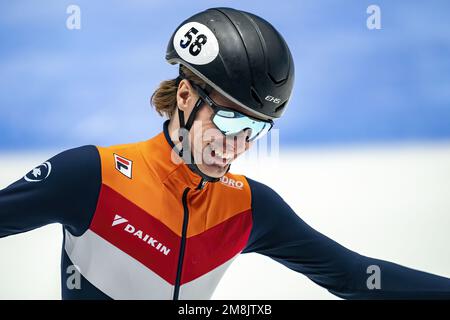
x,y
275,81
256,97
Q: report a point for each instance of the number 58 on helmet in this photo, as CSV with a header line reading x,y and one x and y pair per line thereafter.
x,y
238,54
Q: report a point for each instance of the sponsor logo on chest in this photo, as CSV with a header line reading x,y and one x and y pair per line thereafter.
x,y
232,183
139,234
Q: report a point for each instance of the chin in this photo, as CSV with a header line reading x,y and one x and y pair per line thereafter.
x,y
213,170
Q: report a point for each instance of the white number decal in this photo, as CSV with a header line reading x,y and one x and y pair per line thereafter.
x,y
196,43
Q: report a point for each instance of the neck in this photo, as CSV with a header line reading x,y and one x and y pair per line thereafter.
x,y
174,127
173,130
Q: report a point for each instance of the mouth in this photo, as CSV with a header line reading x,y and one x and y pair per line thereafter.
x,y
216,157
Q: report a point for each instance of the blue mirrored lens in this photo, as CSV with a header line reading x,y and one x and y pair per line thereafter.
x,y
230,123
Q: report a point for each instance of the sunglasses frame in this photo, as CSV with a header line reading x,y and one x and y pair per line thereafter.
x,y
217,107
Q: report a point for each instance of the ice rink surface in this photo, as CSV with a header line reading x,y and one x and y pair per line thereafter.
x,y
390,202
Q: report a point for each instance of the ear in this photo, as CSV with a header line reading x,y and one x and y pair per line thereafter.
x,y
186,96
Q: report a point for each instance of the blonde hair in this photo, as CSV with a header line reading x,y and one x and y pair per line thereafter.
x,y
164,99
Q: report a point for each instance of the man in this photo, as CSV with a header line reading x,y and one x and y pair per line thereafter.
x,y
164,218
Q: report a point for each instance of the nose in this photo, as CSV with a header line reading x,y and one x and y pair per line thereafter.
x,y
237,143
247,133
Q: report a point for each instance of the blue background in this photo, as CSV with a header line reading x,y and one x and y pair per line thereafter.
x,y
61,88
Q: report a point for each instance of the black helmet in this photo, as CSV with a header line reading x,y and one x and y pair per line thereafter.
x,y
238,54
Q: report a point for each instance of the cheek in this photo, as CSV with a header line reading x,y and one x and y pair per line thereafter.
x,y
203,130
204,114
243,146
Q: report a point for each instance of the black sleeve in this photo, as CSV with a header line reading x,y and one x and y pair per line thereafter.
x,y
279,233
63,189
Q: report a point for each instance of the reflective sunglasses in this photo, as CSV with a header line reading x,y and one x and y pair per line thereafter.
x,y
231,122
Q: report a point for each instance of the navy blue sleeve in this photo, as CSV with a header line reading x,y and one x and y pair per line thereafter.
x,y
63,189
279,233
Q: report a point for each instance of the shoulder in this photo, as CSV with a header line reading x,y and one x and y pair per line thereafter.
x,y
67,167
127,149
85,153
265,201
122,158
238,186
261,193
64,188
121,151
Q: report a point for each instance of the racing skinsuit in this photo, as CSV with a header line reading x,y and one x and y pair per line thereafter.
x,y
138,225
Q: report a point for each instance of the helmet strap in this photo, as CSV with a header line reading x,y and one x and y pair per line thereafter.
x,y
184,139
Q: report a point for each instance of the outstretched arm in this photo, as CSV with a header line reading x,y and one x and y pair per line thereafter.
x,y
64,190
278,232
